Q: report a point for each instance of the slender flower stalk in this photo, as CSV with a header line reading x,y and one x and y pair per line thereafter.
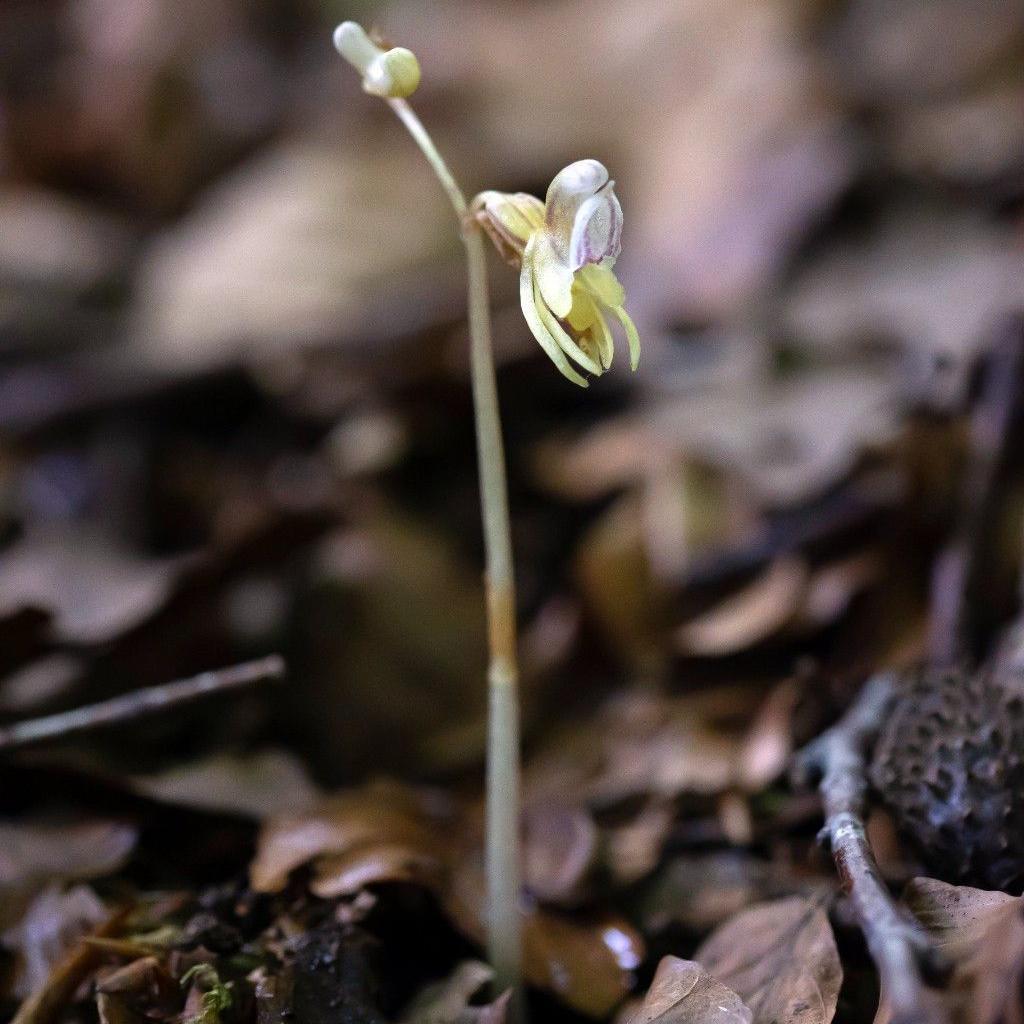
x,y
504,937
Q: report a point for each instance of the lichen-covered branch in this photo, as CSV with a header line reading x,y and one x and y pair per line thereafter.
x,y
898,945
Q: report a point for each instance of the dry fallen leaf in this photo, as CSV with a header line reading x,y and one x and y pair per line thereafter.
x,y
700,892
32,856
93,590
448,1001
257,785
781,959
888,53
302,243
934,284
982,932
832,587
643,745
682,992
769,743
140,989
958,917
966,139
753,614
53,923
776,442
586,959
50,240
638,744
617,583
632,849
46,852
45,1004
560,847
386,832
382,832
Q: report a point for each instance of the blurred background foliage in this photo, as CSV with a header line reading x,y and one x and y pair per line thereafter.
x,y
235,418
233,393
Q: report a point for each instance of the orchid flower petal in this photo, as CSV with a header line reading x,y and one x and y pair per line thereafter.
x,y
528,299
509,219
553,276
569,189
603,334
632,335
584,309
597,230
565,341
602,283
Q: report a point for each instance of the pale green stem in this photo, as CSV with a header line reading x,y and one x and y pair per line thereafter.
x,y
502,827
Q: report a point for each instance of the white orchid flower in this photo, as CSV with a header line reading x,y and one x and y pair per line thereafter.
x,y
566,248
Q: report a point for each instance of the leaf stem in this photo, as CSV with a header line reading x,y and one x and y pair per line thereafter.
x,y
502,816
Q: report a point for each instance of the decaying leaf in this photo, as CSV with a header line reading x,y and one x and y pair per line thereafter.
x,y
259,222
615,576
957,916
682,992
448,1001
559,848
374,834
936,285
702,891
642,745
352,870
38,682
53,924
754,613
93,590
136,990
586,959
632,849
45,1004
982,932
45,852
832,587
781,960
769,742
589,963
386,832
258,785
778,442
32,856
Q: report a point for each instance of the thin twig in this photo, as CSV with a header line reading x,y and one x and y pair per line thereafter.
x,y
139,703
898,945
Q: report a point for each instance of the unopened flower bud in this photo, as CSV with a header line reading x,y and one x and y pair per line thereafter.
x,y
395,74
392,74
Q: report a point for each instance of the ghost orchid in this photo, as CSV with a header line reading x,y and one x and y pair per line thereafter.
x,y
566,248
